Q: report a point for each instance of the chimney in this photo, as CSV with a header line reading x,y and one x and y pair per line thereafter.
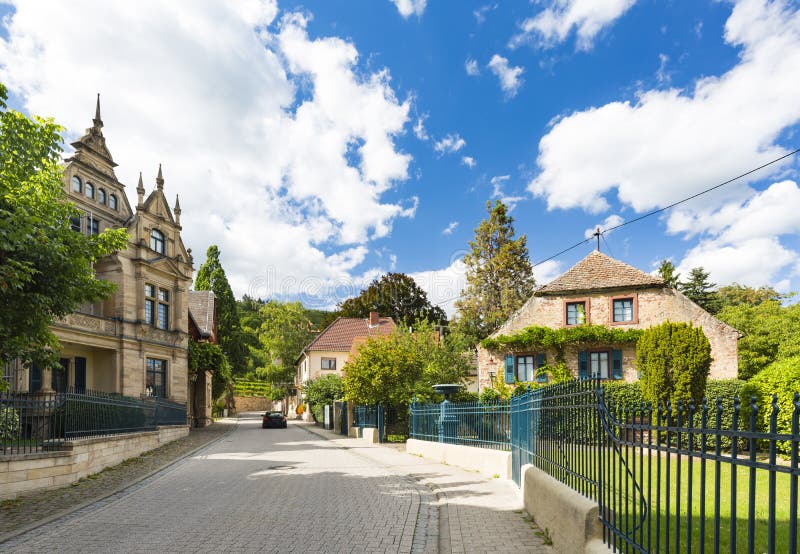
x,y
374,318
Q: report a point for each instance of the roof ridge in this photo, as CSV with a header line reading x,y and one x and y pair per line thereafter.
x,y
598,270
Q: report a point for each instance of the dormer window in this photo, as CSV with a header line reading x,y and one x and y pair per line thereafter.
x,y
101,196
157,241
77,186
112,201
90,190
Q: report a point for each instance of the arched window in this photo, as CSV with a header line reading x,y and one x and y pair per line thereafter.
x,y
90,190
76,183
157,241
112,201
101,196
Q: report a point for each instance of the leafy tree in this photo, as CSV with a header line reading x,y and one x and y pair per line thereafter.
x,y
771,333
211,276
674,360
46,269
701,291
323,390
393,369
736,295
667,271
284,331
499,275
395,295
209,356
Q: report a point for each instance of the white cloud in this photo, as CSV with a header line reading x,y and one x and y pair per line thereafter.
x,y
753,262
407,8
212,93
450,144
480,13
509,76
670,144
498,183
469,161
450,228
546,272
471,67
443,286
556,23
663,76
611,221
419,128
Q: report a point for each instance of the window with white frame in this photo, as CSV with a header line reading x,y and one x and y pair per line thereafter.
x,y
328,363
623,310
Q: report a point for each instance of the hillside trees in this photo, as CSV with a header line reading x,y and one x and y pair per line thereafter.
x,y
46,269
394,295
499,275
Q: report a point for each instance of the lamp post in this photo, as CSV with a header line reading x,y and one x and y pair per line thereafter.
x,y
448,421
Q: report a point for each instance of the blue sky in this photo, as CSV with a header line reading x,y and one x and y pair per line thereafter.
x,y
322,143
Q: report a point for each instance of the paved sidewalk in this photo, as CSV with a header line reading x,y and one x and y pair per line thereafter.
x,y
475,513
42,505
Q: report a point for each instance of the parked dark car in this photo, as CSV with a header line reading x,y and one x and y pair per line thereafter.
x,y
273,419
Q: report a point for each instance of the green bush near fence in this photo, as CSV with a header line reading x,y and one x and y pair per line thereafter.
x,y
9,423
622,393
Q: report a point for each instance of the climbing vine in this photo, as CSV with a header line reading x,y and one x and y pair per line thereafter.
x,y
536,337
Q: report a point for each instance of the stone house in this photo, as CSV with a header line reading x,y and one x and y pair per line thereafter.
x,y
328,353
135,342
202,328
600,290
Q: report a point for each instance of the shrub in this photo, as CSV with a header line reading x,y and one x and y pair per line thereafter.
x,y
725,390
323,390
490,396
9,423
465,396
620,393
674,360
781,379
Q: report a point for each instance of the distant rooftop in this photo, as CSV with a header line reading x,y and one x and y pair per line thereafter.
x,y
340,334
598,271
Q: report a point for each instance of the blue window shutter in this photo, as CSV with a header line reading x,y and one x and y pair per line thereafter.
x,y
583,364
509,368
540,361
616,364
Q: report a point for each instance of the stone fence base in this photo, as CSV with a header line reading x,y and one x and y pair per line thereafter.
x,y
485,460
78,458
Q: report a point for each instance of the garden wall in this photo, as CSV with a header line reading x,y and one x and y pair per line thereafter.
x,y
76,459
487,461
255,404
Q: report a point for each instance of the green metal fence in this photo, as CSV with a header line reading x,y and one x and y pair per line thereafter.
x,y
468,423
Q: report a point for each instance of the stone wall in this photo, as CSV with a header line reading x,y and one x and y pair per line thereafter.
x,y
255,404
77,459
653,306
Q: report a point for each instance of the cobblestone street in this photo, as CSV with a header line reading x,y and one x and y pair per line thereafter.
x,y
294,490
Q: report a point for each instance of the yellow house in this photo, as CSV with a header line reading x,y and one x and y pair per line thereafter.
x,y
328,353
135,342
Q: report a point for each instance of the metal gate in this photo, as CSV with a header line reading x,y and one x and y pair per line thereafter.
x,y
343,427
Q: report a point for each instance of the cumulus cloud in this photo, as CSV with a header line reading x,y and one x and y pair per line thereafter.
x,y
611,221
407,8
443,286
449,144
450,228
546,272
214,93
480,13
510,76
419,128
469,161
498,182
555,24
471,67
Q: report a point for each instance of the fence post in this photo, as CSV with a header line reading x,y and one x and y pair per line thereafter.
x,y
379,421
413,418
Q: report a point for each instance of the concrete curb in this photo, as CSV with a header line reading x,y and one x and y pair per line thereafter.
x,y
67,511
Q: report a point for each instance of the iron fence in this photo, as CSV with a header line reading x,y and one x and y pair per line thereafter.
x,y
366,416
43,421
467,423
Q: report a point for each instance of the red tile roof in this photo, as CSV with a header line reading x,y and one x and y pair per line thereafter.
x,y
340,334
596,272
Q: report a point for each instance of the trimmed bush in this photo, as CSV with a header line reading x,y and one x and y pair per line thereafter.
x,y
9,423
674,360
781,379
725,390
620,393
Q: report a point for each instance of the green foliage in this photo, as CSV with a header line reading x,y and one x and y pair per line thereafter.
x,y
500,390
258,389
393,369
46,269
558,372
771,333
204,356
222,381
558,339
701,291
723,390
667,271
9,423
781,379
673,360
620,393
326,389
464,395
490,395
736,295
211,276
499,275
394,295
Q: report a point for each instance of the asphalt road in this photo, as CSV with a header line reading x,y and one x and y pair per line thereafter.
x,y
257,490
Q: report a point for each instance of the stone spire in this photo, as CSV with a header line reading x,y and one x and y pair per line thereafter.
x,y
140,191
177,211
160,179
98,122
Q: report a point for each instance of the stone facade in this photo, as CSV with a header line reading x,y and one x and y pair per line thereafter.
x,y
653,303
106,346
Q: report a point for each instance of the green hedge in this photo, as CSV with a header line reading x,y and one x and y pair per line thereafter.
x,y
622,393
781,379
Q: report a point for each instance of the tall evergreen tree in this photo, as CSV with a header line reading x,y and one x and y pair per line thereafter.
x,y
701,291
211,276
667,271
499,275
394,295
